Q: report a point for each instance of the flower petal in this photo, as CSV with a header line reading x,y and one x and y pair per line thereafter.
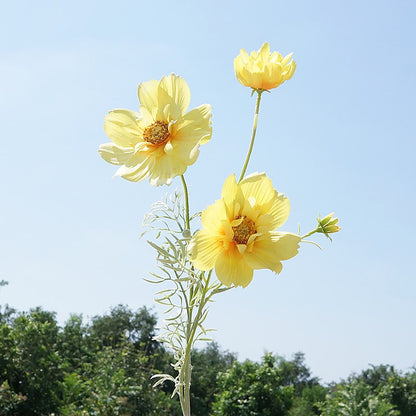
x,y
184,153
278,211
165,169
194,126
264,52
137,168
232,196
148,93
114,154
286,244
231,268
204,249
173,96
213,216
259,187
269,249
259,192
228,194
123,127
263,254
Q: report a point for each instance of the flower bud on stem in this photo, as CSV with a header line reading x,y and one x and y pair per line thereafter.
x,y
326,225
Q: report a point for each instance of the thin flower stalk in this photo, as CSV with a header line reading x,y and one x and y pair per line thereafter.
x,y
253,134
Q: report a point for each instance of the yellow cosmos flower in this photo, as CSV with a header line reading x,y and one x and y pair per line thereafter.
x,y
263,70
163,139
238,234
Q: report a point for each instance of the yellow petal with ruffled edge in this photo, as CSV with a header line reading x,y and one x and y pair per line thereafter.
x,y
123,127
286,244
194,126
213,216
204,249
164,100
148,93
263,255
165,169
231,268
259,192
191,130
232,196
259,187
174,96
114,154
268,250
137,168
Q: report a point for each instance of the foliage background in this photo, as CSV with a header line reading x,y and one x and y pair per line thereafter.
x,y
103,367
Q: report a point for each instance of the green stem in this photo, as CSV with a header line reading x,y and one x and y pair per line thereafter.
x,y
253,134
309,234
185,191
191,328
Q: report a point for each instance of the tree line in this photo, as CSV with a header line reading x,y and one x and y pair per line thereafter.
x,y
103,367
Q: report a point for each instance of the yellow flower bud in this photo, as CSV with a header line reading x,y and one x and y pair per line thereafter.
x,y
263,70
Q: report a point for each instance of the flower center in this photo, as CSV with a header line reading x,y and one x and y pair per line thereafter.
x,y
156,133
243,231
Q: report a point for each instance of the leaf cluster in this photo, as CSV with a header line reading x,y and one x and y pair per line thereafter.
x,y
186,292
102,367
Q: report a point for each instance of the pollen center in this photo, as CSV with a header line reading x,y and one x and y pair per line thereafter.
x,y
243,231
156,133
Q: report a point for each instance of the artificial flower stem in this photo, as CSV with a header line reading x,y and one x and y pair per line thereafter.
x,y
309,234
253,134
192,326
185,191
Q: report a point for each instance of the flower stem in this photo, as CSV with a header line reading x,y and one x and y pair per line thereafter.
x,y
253,134
185,191
309,234
191,329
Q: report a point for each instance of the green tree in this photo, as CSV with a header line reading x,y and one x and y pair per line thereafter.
x,y
30,364
309,401
357,399
75,346
9,400
118,384
295,373
399,389
250,389
110,363
99,368
123,324
207,363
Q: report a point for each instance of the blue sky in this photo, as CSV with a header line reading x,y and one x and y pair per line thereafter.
x,y
337,137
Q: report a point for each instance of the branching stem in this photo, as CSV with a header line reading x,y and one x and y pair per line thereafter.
x,y
191,329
